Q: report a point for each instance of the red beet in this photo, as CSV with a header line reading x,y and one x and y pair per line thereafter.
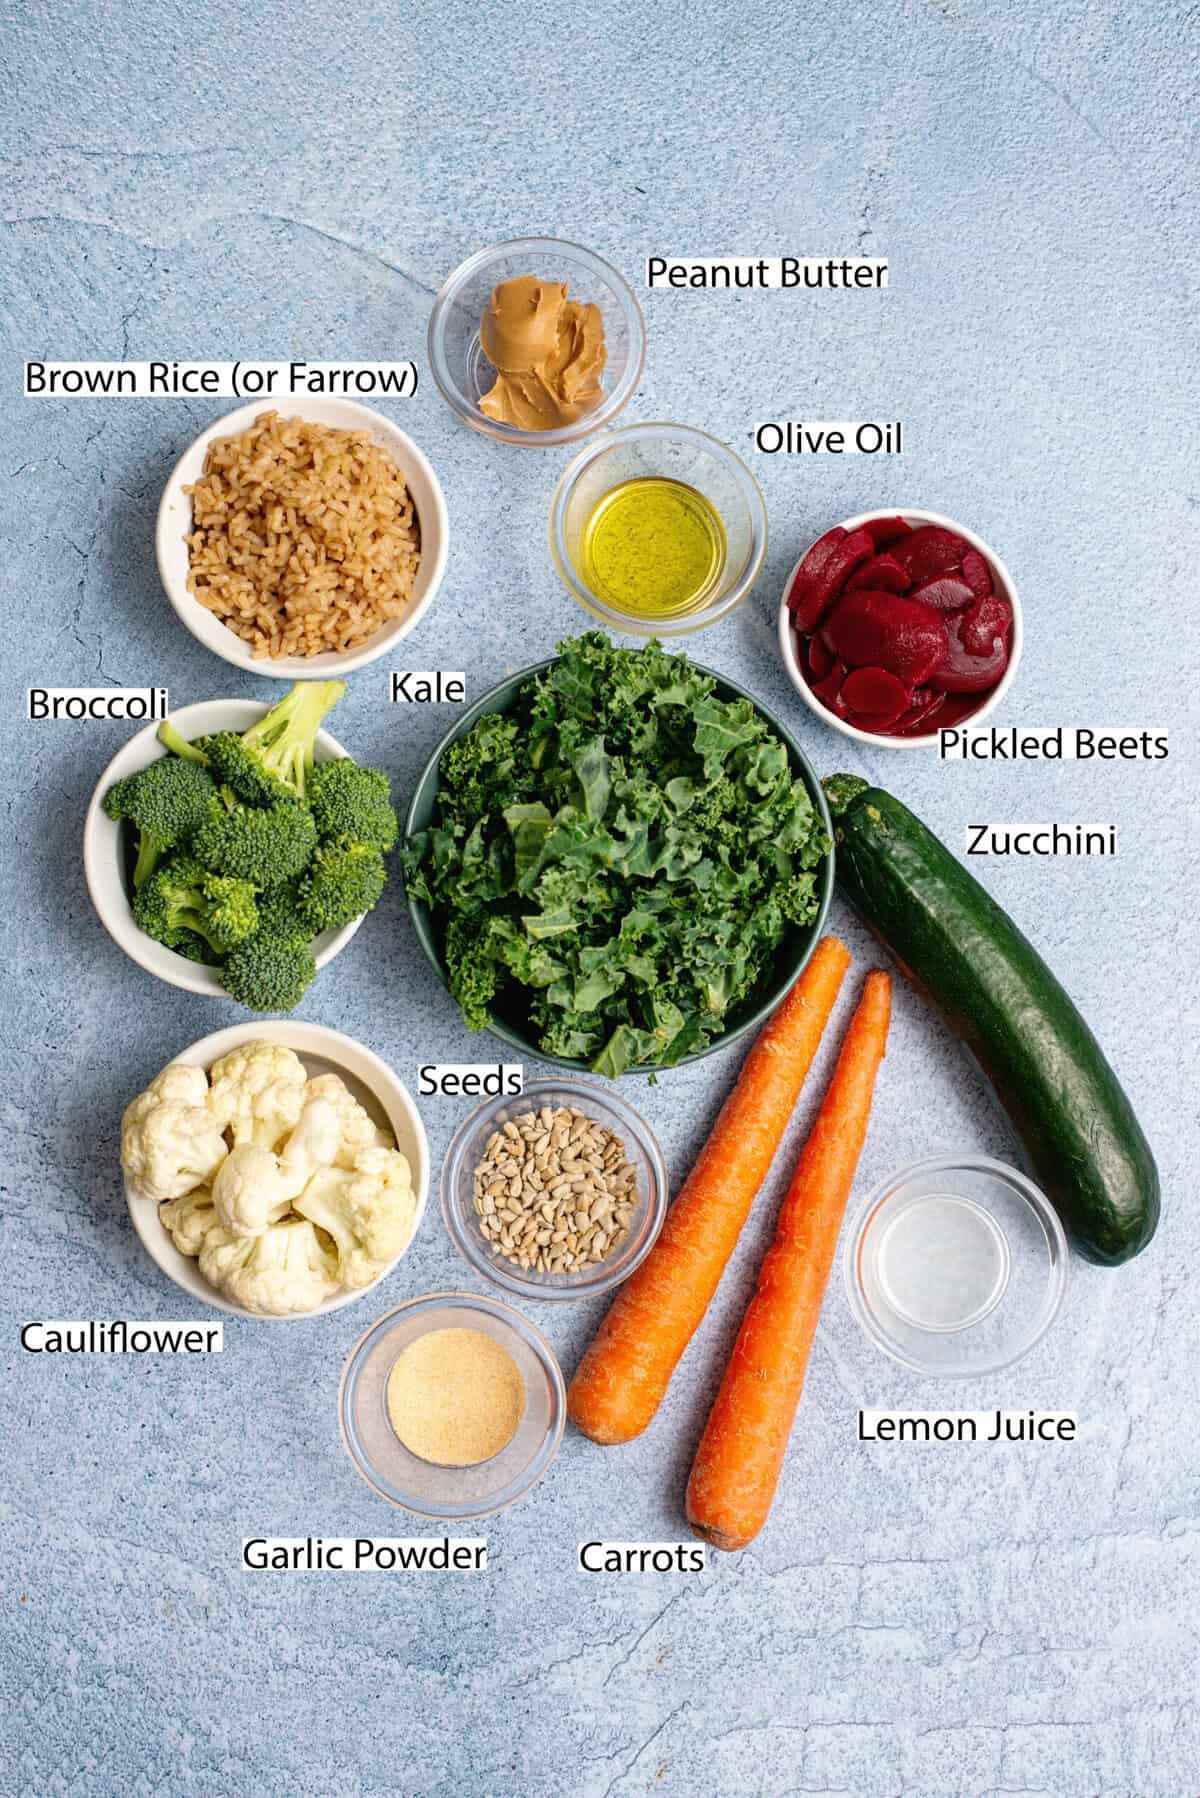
x,y
882,573
823,573
989,620
948,593
875,694
977,574
886,630
929,551
962,672
820,658
829,691
921,714
886,530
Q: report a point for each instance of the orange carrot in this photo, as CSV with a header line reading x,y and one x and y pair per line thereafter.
x,y
745,1439
621,1381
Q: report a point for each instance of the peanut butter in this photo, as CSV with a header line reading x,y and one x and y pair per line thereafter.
x,y
548,353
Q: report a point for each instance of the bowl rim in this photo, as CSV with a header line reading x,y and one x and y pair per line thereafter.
x,y
1035,1198
421,916
613,403
929,739
589,1283
385,1083
521,1326
173,520
687,623
102,856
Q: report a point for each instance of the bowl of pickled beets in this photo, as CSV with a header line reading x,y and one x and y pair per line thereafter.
x,y
896,625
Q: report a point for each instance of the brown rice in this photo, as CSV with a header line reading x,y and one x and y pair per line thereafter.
x,y
304,538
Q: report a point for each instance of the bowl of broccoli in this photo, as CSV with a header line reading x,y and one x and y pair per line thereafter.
x,y
618,860
237,847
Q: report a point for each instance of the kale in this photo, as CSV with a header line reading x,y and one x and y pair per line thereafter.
x,y
619,857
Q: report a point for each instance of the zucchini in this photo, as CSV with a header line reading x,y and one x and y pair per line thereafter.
x,y
1001,1000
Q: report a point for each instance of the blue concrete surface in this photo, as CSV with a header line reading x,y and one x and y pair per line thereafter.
x,y
205,183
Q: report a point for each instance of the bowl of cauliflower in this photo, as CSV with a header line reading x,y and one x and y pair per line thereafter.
x,y
275,1175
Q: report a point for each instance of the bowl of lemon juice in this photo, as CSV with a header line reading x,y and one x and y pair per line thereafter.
x,y
658,529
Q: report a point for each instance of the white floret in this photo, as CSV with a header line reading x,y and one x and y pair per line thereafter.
x,y
284,1271
189,1219
368,1210
257,1092
359,1129
170,1140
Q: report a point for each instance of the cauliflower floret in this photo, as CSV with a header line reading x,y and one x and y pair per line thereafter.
x,y
189,1219
257,1092
170,1140
285,1270
359,1129
368,1210
254,1187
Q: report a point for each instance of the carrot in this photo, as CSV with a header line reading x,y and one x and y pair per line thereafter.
x,y
745,1439
624,1374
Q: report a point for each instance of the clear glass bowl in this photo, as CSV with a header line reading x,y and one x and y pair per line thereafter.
x,y
466,1151
678,453
956,1266
463,373
450,1493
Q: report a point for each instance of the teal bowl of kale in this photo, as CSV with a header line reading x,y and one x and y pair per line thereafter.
x,y
617,860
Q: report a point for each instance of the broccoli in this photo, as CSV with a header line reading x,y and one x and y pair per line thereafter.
x,y
273,759
170,739
270,971
182,900
266,846
342,880
165,802
349,801
195,948
279,910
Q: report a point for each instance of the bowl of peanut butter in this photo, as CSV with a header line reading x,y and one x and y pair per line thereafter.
x,y
536,341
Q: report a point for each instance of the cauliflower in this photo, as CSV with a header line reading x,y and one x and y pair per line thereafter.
x,y
170,1140
359,1129
254,1187
285,1270
257,1092
189,1219
368,1210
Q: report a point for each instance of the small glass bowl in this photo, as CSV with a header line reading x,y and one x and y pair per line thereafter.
x,y
404,1479
466,1151
463,373
956,1266
678,453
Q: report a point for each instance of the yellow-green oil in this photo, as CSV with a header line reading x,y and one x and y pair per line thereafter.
x,y
653,548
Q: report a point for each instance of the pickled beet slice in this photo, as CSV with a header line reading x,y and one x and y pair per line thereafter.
x,y
874,693
823,573
960,671
988,619
921,714
886,530
820,658
928,551
977,574
882,573
829,692
887,630
948,593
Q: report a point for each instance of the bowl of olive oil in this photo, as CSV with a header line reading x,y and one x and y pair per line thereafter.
x,y
658,529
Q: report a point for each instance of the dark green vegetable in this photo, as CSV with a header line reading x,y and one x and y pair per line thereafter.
x,y
264,844
349,801
182,899
340,882
269,972
618,857
999,997
274,758
165,803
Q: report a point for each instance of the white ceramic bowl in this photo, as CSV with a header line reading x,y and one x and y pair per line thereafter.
x,y
373,1084
175,522
1001,580
104,860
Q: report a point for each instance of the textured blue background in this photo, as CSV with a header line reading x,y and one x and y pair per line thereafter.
x,y
220,181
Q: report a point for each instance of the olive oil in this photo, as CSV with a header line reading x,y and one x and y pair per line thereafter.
x,y
653,548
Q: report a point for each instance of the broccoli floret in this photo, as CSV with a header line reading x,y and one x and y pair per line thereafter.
x,y
266,846
194,948
165,802
279,910
273,759
182,900
349,801
269,972
170,739
342,881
